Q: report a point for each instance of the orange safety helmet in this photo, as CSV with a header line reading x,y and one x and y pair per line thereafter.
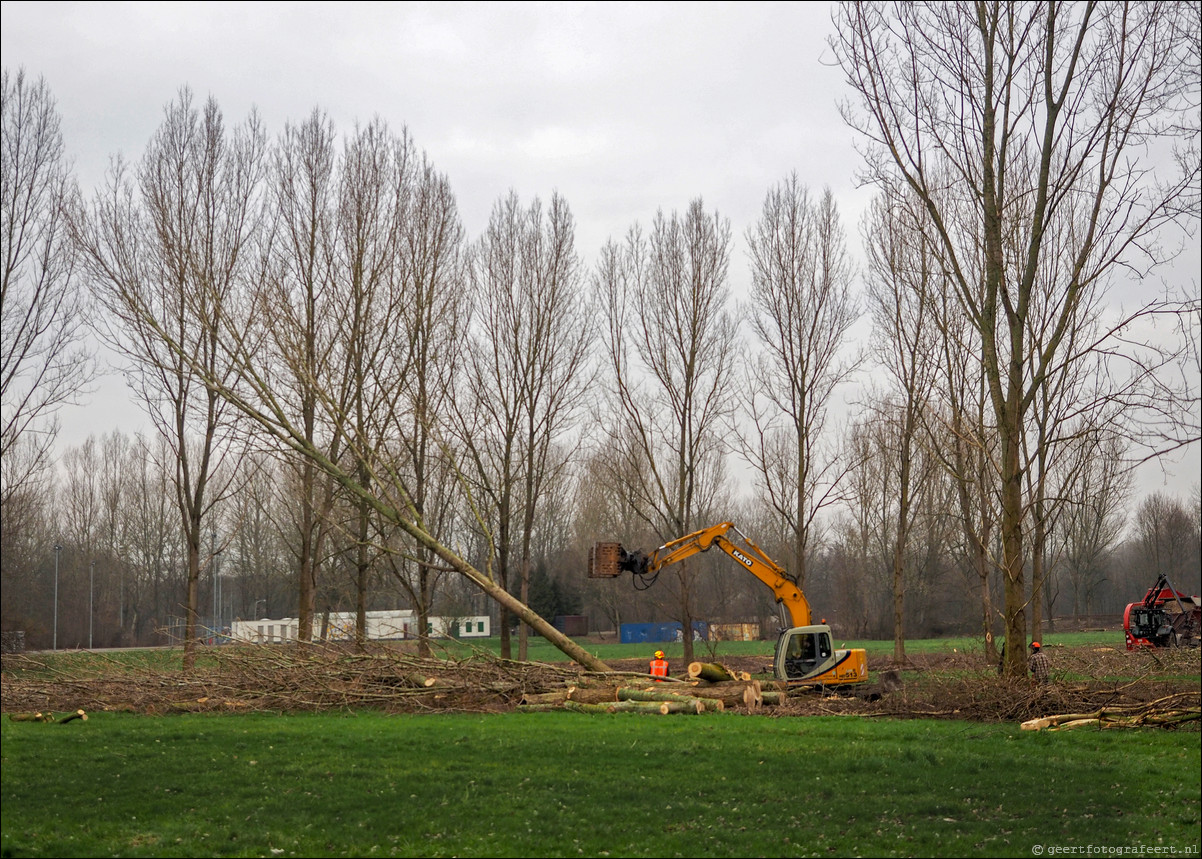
x,y
659,654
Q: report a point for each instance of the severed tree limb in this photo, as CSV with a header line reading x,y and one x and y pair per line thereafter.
x,y
1169,711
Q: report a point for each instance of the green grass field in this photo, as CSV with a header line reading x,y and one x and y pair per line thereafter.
x,y
546,784
564,784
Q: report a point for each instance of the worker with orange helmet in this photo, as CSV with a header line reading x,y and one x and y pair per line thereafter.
x,y
659,667
1038,664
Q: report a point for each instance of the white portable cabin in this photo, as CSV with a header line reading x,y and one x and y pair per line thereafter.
x,y
388,625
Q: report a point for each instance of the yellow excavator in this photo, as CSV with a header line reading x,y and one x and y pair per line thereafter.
x,y
804,654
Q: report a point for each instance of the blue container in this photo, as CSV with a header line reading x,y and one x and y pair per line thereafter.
x,y
638,633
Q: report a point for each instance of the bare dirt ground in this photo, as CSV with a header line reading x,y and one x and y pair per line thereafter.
x,y
266,678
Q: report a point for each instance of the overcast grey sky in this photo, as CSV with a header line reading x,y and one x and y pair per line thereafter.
x,y
622,108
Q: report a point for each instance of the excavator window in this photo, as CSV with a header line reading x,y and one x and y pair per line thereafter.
x,y
804,652
801,647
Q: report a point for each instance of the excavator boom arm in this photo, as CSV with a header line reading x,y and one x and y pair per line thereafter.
x,y
749,555
804,653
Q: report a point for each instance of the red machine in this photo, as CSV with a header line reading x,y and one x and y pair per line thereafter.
x,y
1165,618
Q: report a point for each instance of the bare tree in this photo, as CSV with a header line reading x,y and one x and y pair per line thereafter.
x,y
958,428
155,548
903,278
527,374
432,317
801,311
671,344
27,537
116,498
297,309
167,252
1166,532
866,529
602,506
1014,122
43,312
1094,517
375,185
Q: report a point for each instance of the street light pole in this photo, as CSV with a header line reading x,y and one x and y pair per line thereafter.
x,y
220,596
91,593
213,583
58,548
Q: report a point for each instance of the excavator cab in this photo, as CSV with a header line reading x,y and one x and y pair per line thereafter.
x,y
806,656
805,650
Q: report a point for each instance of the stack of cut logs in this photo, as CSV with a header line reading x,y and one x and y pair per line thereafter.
x,y
709,687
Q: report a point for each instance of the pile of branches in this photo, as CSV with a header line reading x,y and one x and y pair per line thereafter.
x,y
1172,711
986,697
280,678
1160,688
285,678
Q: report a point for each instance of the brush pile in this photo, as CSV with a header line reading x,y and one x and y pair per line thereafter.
x,y
1109,686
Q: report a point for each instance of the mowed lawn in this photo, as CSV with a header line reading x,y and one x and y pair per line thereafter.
x,y
567,784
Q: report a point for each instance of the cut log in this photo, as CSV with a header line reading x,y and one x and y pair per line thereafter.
x,y
636,693
714,672
691,707
661,707
545,698
594,694
727,686
713,704
541,708
745,693
577,707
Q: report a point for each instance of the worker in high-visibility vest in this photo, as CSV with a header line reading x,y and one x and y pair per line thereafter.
x,y
659,667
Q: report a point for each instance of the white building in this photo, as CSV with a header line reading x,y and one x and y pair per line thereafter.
x,y
393,625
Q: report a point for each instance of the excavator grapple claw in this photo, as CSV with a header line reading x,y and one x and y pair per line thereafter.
x,y
604,560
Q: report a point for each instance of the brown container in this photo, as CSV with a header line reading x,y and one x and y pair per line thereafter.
x,y
572,625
